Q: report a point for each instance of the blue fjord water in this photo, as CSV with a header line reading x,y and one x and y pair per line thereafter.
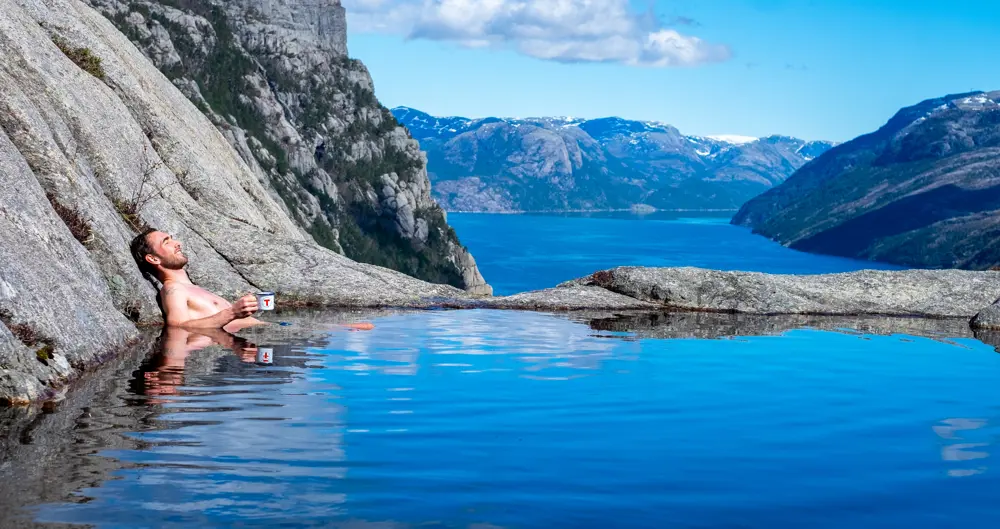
x,y
485,419
517,253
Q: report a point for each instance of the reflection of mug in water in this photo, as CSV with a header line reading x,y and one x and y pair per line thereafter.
x,y
265,355
265,300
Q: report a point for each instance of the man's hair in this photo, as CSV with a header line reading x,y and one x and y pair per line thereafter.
x,y
140,249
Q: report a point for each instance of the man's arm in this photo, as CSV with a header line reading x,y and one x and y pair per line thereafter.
x,y
216,321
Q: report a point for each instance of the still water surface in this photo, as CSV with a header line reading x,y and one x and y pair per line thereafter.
x,y
518,253
511,419
486,419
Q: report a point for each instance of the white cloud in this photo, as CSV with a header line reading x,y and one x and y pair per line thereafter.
x,y
556,30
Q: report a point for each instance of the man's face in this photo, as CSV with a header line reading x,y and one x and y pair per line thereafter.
x,y
166,251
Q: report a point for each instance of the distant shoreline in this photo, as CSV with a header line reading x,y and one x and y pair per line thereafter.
x,y
621,210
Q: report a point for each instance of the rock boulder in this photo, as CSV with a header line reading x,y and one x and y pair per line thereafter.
x,y
927,293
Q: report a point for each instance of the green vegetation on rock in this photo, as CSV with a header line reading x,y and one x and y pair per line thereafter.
x,y
923,190
312,123
82,57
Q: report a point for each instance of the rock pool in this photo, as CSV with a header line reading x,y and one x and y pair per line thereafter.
x,y
515,419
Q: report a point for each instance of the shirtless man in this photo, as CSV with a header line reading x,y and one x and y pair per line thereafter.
x,y
185,304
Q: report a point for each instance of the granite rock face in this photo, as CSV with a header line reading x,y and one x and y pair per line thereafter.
x,y
275,78
88,155
56,304
926,293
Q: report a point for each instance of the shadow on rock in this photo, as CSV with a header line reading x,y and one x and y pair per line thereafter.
x,y
717,325
989,337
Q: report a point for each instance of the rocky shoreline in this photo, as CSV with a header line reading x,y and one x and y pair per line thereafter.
x,y
676,301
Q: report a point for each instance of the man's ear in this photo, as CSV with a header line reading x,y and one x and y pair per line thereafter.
x,y
152,260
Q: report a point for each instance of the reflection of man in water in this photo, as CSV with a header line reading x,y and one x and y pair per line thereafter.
x,y
164,371
185,304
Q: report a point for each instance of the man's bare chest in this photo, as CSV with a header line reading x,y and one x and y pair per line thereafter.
x,y
205,302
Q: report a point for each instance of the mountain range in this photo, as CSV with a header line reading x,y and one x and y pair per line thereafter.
x,y
923,190
553,163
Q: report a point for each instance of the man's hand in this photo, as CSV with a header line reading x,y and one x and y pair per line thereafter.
x,y
245,306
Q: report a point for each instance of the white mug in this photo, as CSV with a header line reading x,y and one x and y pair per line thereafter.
x,y
265,300
265,355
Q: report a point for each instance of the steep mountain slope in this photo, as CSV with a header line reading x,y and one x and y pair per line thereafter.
x,y
96,143
923,190
496,164
274,76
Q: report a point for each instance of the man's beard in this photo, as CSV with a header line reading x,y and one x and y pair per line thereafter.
x,y
174,262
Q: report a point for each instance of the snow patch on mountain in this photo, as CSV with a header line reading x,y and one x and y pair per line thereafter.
x,y
734,139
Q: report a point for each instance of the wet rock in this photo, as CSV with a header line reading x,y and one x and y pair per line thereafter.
x,y
711,325
989,337
988,318
577,297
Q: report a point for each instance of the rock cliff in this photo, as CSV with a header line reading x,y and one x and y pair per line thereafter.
x,y
95,143
503,164
923,190
275,78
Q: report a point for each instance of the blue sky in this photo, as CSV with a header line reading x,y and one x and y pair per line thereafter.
x,y
812,69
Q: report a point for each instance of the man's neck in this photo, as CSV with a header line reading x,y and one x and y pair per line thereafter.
x,y
176,276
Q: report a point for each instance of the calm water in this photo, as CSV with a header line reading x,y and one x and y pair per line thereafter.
x,y
486,419
517,253
509,419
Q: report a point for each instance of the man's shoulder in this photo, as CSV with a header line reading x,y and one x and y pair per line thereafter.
x,y
172,289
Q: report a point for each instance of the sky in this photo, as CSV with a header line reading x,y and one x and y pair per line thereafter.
x,y
814,69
